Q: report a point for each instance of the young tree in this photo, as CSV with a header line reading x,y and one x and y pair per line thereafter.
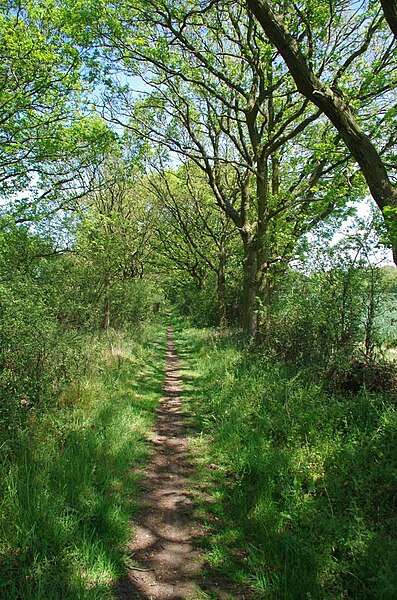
x,y
114,233
192,234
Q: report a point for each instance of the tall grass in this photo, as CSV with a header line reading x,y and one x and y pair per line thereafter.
x,y
303,482
68,483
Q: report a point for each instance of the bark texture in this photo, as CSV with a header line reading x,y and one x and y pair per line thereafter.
x,y
248,305
390,12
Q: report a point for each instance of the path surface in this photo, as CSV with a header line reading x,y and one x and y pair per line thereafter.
x,y
167,564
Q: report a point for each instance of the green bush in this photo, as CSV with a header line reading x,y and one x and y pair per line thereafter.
x,y
133,302
338,321
36,357
200,305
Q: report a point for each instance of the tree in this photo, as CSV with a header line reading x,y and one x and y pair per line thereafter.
x,y
48,135
224,102
114,232
191,233
390,9
326,94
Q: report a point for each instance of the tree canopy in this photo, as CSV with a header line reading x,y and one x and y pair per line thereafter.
x,y
247,127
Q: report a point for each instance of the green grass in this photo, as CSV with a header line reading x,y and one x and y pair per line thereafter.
x,y
303,483
68,486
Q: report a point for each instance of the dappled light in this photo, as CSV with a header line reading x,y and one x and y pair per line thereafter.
x,y
302,482
71,483
198,300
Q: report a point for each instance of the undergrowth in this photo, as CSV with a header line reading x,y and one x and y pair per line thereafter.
x,y
303,481
67,482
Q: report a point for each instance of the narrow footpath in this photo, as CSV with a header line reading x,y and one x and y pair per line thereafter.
x,y
166,564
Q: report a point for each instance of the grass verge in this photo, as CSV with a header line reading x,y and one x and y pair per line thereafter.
x,y
68,486
303,483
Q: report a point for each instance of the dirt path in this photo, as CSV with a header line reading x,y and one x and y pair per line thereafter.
x,y
167,564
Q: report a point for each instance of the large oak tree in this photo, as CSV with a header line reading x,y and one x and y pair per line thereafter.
x,y
218,95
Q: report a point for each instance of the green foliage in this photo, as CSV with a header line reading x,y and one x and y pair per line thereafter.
x,y
48,134
36,356
196,263
390,216
331,315
200,305
317,319
36,359
48,303
387,319
74,415
305,475
303,502
134,302
113,240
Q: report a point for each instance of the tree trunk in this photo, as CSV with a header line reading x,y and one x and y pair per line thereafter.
x,y
106,312
335,108
390,12
263,275
106,306
265,290
221,289
249,313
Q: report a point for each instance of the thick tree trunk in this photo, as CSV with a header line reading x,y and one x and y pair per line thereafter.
x,y
263,275
334,107
221,289
250,270
265,291
390,12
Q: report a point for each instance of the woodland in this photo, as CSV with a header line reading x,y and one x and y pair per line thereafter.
x,y
228,168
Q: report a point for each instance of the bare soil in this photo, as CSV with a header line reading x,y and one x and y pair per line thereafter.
x,y
166,562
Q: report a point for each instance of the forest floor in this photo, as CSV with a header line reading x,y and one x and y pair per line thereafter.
x,y
166,562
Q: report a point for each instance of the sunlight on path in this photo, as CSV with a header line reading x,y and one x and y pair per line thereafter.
x,y
166,565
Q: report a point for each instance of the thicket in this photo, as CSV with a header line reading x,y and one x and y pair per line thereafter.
x,y
340,323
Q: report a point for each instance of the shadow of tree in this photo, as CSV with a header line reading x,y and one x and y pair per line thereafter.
x,y
75,489
272,522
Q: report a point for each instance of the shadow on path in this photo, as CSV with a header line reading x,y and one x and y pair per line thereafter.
x,y
165,564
